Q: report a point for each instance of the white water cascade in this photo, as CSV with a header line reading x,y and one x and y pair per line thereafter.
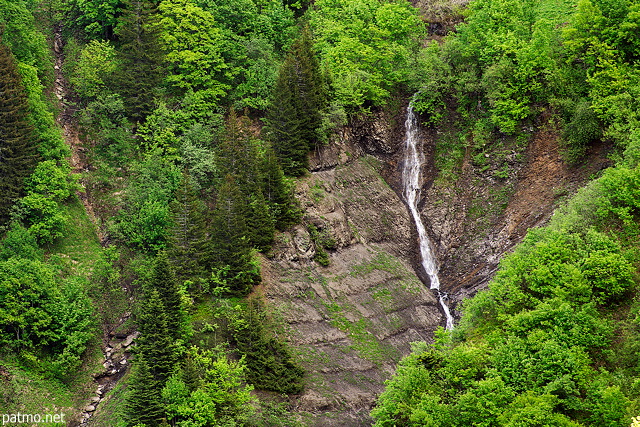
x,y
413,160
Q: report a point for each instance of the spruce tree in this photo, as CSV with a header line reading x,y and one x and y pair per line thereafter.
x,y
295,114
239,158
231,247
144,399
190,374
164,282
141,57
277,192
188,243
269,361
285,123
311,86
18,155
155,343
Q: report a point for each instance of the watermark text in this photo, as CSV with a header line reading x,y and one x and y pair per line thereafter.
x,y
18,418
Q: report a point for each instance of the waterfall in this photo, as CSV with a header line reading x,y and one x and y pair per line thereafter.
x,y
413,160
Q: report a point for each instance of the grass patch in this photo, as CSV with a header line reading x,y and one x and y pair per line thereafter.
x,y
79,244
28,392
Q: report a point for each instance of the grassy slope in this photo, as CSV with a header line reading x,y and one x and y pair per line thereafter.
x,y
76,253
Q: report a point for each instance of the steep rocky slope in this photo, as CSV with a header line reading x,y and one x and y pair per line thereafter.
x,y
352,320
487,209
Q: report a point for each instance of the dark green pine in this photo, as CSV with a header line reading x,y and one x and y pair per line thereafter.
x,y
295,114
239,158
188,242
18,149
231,247
311,85
141,72
261,225
155,342
144,399
164,282
190,374
277,193
285,123
269,362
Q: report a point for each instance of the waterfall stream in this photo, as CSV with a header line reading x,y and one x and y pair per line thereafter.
x,y
413,160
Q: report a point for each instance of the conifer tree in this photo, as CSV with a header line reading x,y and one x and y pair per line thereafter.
x,y
269,362
141,57
276,191
18,156
189,373
239,155
295,115
231,247
144,398
164,281
238,152
188,243
284,122
261,225
155,343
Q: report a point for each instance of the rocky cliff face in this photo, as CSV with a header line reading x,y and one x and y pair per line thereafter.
x,y
352,320
495,197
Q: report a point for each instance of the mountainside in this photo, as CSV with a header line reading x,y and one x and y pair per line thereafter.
x,y
364,309
262,212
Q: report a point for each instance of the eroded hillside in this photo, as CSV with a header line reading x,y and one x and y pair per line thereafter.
x,y
352,320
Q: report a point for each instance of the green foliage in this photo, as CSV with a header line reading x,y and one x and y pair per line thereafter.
x,y
97,18
17,151
42,318
106,277
93,69
505,59
48,135
193,46
256,34
145,220
52,180
269,362
621,201
368,47
104,121
582,128
48,187
43,215
323,240
21,35
19,243
219,397
600,44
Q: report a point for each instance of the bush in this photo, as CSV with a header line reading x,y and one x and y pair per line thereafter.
x,y
582,128
95,65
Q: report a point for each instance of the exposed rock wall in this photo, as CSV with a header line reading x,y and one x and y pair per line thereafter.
x,y
353,320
